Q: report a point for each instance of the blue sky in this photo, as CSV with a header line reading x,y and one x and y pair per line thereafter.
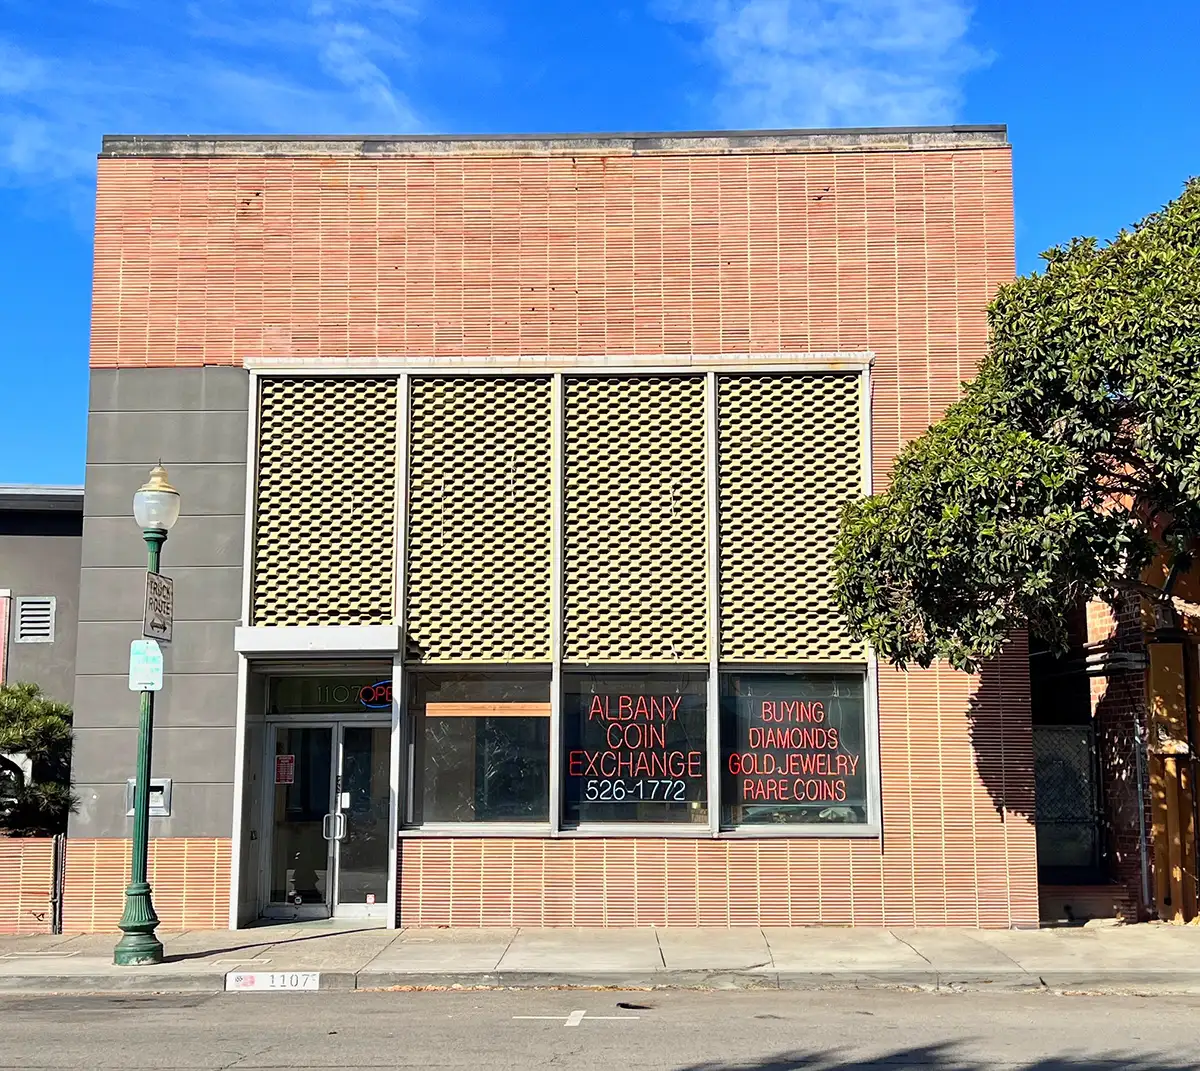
x,y
1102,112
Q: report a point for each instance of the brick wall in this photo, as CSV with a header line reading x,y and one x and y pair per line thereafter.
x,y
208,260
189,877
1119,707
26,884
957,846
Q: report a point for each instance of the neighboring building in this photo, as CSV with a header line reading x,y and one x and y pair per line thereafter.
x,y
511,471
41,537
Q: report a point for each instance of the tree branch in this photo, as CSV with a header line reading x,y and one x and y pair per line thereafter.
x,y
1181,606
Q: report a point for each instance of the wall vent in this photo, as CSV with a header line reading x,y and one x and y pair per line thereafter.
x,y
35,619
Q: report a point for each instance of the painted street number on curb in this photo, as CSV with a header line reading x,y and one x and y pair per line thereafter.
x,y
576,1017
272,981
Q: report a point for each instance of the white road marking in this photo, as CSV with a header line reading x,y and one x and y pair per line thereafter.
x,y
577,1017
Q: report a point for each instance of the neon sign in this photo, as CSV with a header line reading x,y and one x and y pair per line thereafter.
x,y
377,696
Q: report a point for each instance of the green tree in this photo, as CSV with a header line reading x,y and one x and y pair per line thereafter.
x,y
36,726
1072,459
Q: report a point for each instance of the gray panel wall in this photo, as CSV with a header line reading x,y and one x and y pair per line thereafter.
x,y
195,420
44,564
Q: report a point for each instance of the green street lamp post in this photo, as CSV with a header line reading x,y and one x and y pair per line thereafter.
x,y
156,509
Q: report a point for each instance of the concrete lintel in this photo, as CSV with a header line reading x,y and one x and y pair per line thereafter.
x,y
542,364
316,639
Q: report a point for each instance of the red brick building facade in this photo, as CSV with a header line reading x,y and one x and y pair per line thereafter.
x,y
230,268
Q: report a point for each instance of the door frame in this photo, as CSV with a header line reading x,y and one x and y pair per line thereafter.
x,y
267,909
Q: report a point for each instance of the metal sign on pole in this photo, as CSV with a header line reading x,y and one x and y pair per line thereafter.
x,y
159,615
145,666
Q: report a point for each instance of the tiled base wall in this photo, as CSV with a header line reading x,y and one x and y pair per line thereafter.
x,y
650,882
189,876
958,846
26,884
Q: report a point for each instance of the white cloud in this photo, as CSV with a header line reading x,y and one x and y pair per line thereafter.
x,y
218,66
816,63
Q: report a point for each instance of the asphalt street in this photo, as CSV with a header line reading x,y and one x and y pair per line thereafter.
x,y
678,1030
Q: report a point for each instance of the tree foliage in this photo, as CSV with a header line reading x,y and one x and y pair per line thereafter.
x,y
1072,457
39,728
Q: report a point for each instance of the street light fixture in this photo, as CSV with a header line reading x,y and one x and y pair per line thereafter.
x,y
156,509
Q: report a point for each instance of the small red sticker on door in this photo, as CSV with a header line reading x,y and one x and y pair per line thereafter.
x,y
285,769
370,898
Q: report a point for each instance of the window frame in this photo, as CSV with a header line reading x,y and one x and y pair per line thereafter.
x,y
872,828
700,670
710,830
407,776
412,784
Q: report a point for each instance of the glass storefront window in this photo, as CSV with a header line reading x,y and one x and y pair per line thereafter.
x,y
634,748
482,747
793,749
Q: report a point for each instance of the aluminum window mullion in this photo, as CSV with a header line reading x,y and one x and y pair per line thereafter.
x,y
713,725
873,757
556,600
400,776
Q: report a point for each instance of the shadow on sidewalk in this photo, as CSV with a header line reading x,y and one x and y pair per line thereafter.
x,y
180,957
944,1057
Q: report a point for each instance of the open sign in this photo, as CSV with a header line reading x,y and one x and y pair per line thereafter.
x,y
377,696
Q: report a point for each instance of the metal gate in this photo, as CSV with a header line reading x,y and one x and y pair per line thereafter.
x,y
1068,800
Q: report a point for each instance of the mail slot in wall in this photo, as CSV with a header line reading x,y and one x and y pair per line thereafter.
x,y
160,797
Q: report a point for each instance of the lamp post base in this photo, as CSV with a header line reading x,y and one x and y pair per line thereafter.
x,y
138,947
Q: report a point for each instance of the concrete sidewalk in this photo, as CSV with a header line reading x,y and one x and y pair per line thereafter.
x,y
1146,958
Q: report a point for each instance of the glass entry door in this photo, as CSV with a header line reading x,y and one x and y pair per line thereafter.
x,y
330,821
363,820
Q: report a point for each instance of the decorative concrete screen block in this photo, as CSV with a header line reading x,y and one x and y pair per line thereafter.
x,y
325,522
635,501
791,455
479,520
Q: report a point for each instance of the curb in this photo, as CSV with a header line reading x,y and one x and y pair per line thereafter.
x,y
951,981
151,982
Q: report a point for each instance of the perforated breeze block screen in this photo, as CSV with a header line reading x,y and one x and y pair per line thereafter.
x,y
791,455
479,520
635,548
325,514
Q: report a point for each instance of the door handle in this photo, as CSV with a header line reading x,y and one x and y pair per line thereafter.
x,y
326,828
341,826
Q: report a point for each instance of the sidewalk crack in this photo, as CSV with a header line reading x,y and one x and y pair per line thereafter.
x,y
909,945
365,966
1015,962
249,1055
516,930
767,943
661,958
